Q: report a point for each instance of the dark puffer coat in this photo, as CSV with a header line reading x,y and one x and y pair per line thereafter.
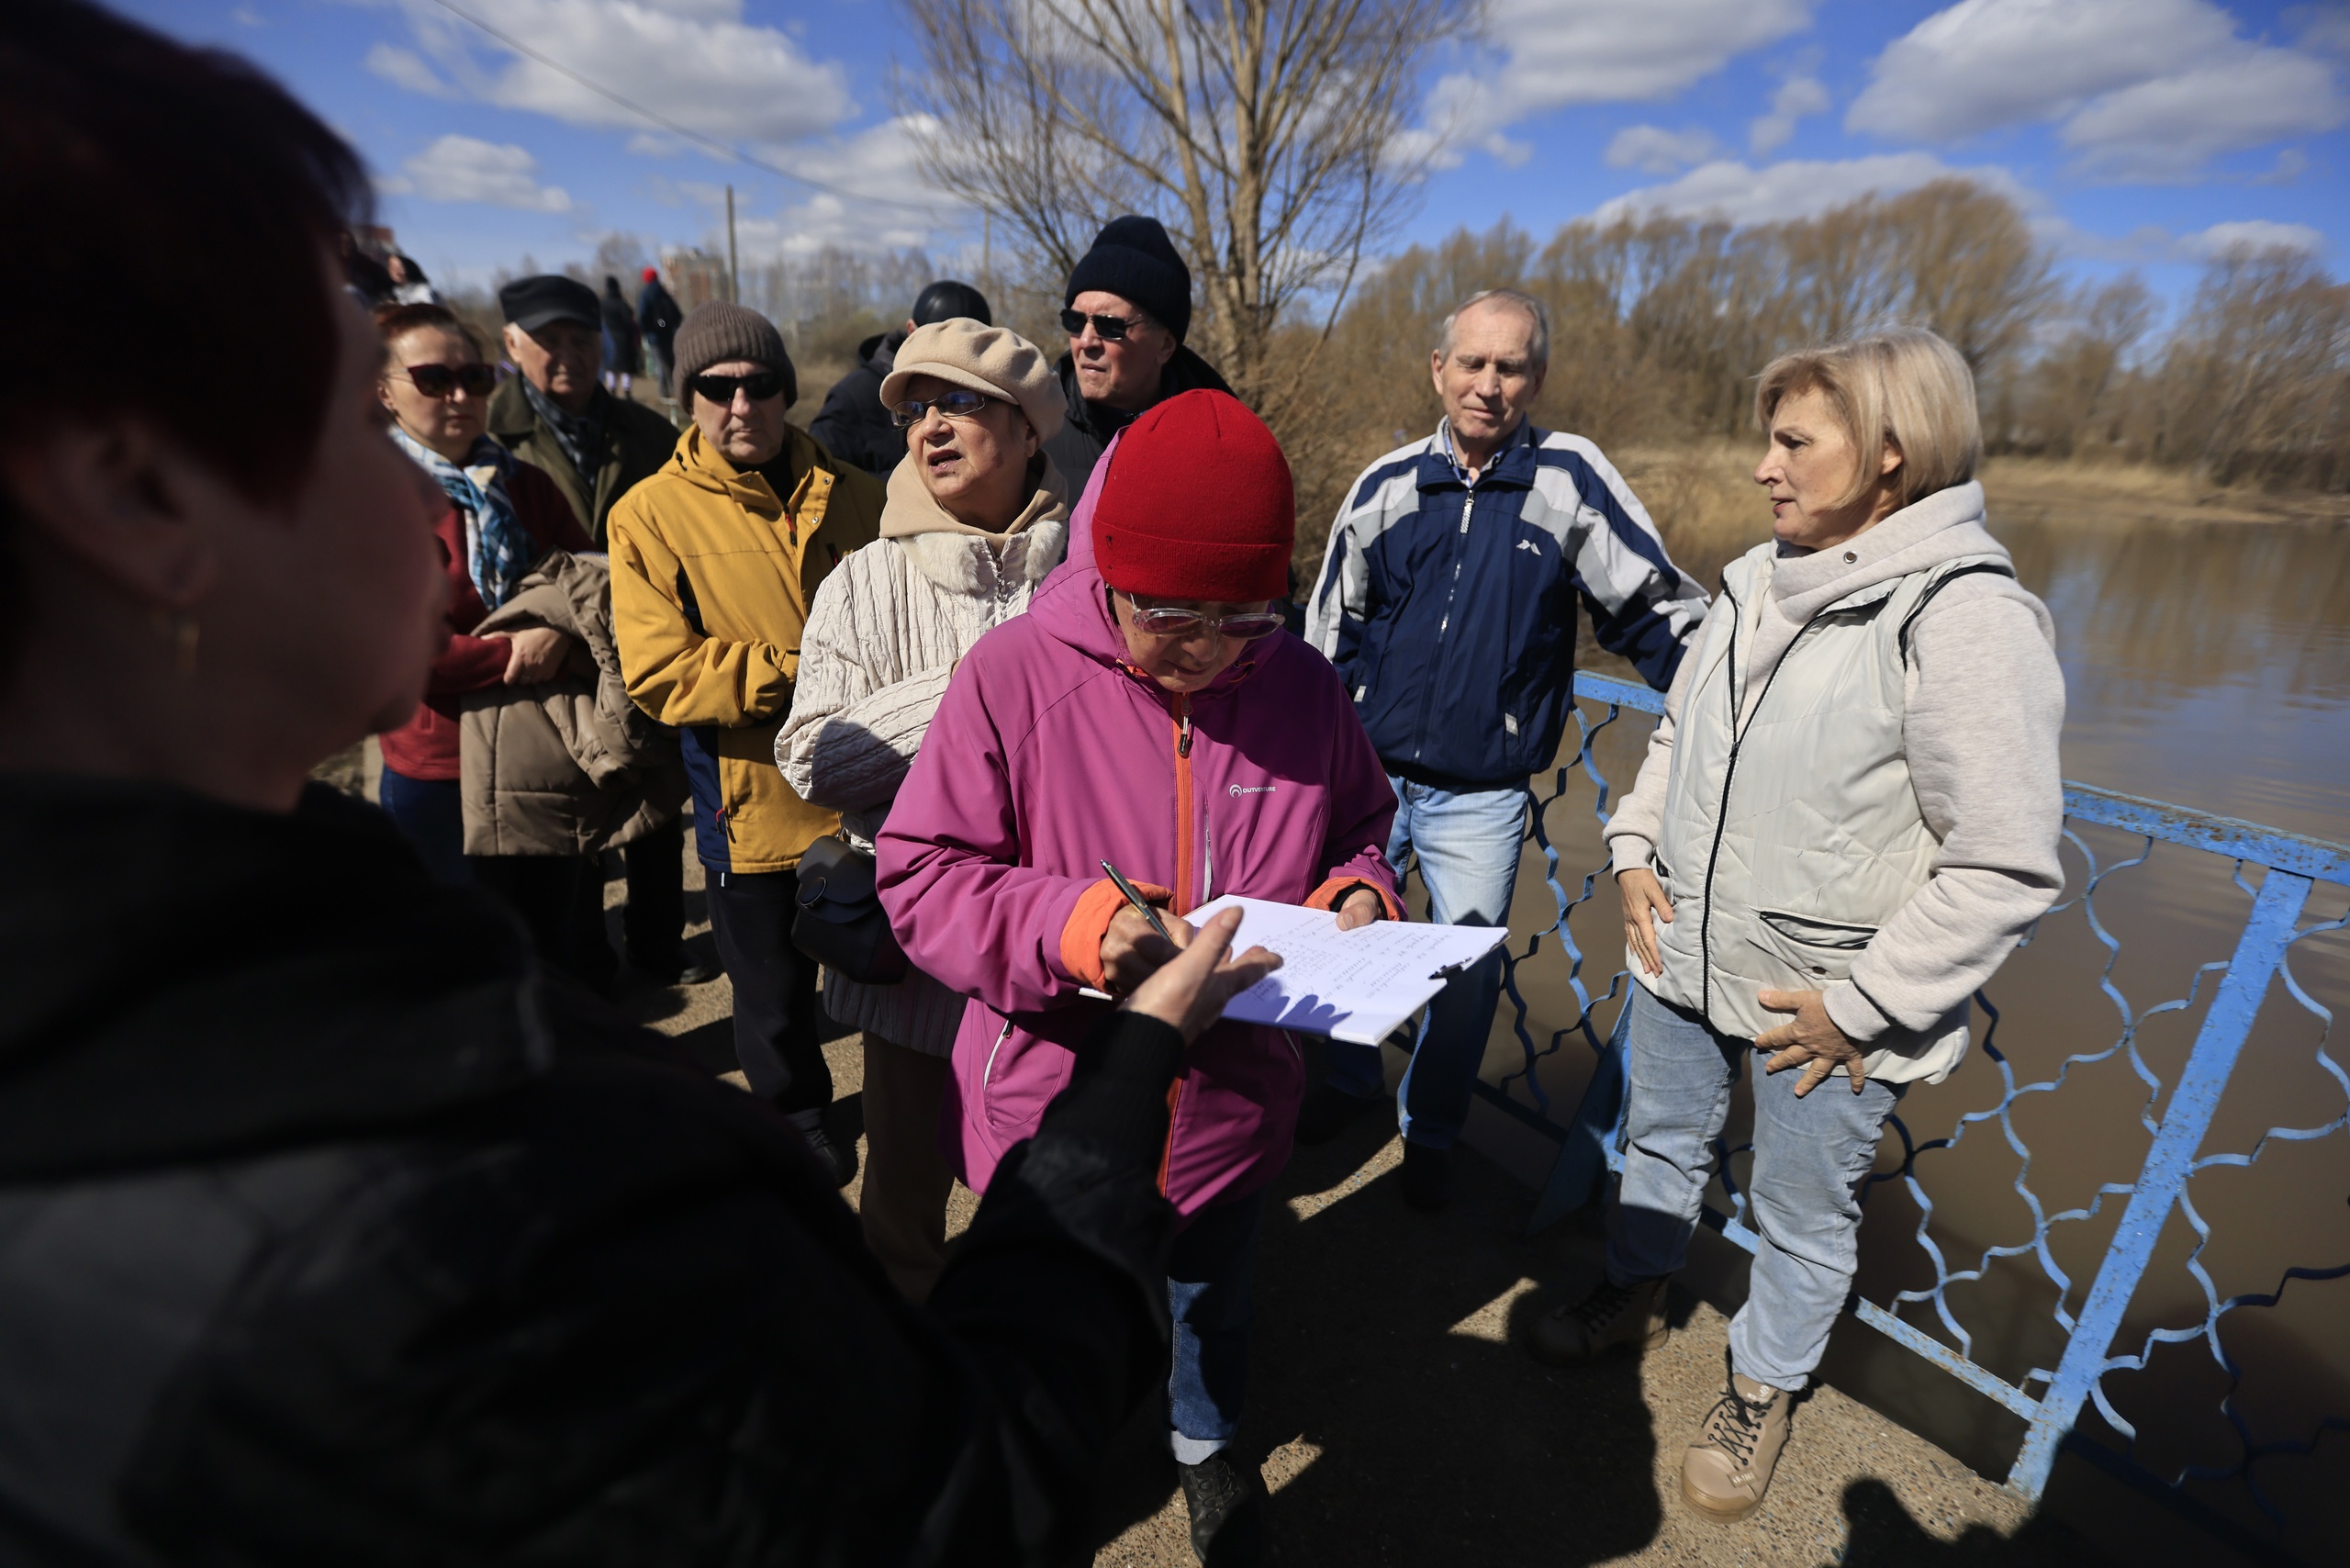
x,y
330,1233
853,425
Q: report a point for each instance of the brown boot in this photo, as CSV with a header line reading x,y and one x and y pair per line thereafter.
x,y
1610,1316
1728,1469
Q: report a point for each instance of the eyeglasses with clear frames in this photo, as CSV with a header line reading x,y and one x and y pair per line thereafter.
x,y
959,404
1175,621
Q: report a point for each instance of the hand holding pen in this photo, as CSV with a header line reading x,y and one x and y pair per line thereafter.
x,y
1140,939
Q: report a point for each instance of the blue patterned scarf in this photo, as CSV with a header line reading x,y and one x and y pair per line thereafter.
x,y
499,549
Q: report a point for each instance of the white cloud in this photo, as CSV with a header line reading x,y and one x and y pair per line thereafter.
x,y
2250,234
1801,187
406,68
1657,151
459,168
246,17
2143,89
1557,52
882,162
1798,96
696,63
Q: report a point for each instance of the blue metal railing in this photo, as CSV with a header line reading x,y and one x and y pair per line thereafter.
x,y
2263,949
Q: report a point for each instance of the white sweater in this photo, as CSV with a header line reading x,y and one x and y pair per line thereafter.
x,y
883,638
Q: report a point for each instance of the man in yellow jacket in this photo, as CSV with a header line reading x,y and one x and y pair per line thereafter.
x,y
715,559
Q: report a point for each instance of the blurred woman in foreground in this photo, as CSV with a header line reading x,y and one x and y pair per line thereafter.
x,y
331,1230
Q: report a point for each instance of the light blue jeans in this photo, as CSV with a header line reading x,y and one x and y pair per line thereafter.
x,y
1210,1295
1802,1194
1466,845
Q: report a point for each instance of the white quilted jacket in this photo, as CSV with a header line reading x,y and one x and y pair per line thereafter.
x,y
883,637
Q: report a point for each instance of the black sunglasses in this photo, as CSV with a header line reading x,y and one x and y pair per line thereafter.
x,y
440,380
1109,328
761,384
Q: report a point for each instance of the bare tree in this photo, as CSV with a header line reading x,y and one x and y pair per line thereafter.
x,y
1272,137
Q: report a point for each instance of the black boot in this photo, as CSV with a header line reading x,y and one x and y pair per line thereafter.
x,y
837,1155
1428,1177
1228,1507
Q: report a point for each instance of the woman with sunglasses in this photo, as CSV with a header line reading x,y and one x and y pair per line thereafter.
x,y
1150,710
976,515
498,516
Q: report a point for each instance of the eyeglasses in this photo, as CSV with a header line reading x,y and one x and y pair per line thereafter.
x,y
761,384
1174,621
959,404
441,380
1109,328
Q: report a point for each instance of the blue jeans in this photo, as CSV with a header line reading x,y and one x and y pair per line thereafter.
x,y
1802,1194
1211,1294
1467,848
431,813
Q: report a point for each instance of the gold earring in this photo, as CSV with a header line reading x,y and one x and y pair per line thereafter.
x,y
185,632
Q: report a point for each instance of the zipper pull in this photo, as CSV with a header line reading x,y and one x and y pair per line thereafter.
x,y
1183,712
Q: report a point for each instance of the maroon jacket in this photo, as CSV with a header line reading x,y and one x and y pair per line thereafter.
x,y
426,747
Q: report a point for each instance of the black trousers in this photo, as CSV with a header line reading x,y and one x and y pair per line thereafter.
x,y
653,923
549,892
775,988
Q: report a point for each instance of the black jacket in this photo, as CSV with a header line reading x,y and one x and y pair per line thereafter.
x,y
657,316
853,425
1078,444
330,1233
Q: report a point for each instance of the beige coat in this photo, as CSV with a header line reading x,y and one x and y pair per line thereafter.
x,y
571,767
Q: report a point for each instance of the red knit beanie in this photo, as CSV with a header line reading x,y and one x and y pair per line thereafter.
x,y
1198,505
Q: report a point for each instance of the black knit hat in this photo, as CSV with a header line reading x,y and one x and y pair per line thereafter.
x,y
1134,259
946,300
717,333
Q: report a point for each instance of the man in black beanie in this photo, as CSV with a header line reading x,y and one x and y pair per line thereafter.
x,y
853,425
1128,308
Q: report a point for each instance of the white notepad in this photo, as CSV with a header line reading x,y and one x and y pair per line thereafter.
x,y
1350,985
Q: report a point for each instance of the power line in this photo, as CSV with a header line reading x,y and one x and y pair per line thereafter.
x,y
732,153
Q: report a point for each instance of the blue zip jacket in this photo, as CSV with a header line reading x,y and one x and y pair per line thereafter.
x,y
1451,608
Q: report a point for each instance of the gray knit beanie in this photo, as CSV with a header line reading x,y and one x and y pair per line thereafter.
x,y
717,333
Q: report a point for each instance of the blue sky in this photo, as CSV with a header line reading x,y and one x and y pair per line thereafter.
x,y
2135,132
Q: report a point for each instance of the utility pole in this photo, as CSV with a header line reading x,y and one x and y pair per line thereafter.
x,y
733,272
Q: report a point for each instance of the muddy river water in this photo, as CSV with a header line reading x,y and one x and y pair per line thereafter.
x,y
2206,665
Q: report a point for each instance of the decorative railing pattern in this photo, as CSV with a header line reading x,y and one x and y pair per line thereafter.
x,y
2048,1399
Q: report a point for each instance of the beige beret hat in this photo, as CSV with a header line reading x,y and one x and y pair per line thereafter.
x,y
996,361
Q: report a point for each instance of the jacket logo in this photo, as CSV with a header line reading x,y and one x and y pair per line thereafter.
x,y
1240,789
1528,545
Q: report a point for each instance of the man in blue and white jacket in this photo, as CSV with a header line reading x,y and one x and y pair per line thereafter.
x,y
1448,601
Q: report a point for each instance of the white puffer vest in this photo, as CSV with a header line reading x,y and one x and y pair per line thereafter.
x,y
1787,841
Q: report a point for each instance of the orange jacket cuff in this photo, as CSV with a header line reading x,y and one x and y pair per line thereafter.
x,y
1089,922
1332,892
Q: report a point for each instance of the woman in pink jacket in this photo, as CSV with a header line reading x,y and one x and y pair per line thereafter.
x,y
1147,711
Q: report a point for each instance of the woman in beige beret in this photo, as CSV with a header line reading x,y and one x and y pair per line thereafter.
x,y
976,515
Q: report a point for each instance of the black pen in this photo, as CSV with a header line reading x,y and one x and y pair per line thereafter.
x,y
1135,898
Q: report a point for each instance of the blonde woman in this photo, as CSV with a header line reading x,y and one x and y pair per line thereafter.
x,y
976,515
1847,819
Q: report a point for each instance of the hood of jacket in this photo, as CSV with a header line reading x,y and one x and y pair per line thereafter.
x,y
1940,527
202,980
912,509
878,354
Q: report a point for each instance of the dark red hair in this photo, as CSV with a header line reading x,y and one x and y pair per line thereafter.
x,y
153,188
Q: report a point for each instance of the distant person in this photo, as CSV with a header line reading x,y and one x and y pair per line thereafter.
x,y
715,560
558,416
657,318
1127,311
1447,600
497,515
854,425
1891,698
364,275
1149,710
624,351
409,285
336,1231
976,517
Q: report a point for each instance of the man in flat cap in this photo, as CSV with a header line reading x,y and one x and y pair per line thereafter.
x,y
558,416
